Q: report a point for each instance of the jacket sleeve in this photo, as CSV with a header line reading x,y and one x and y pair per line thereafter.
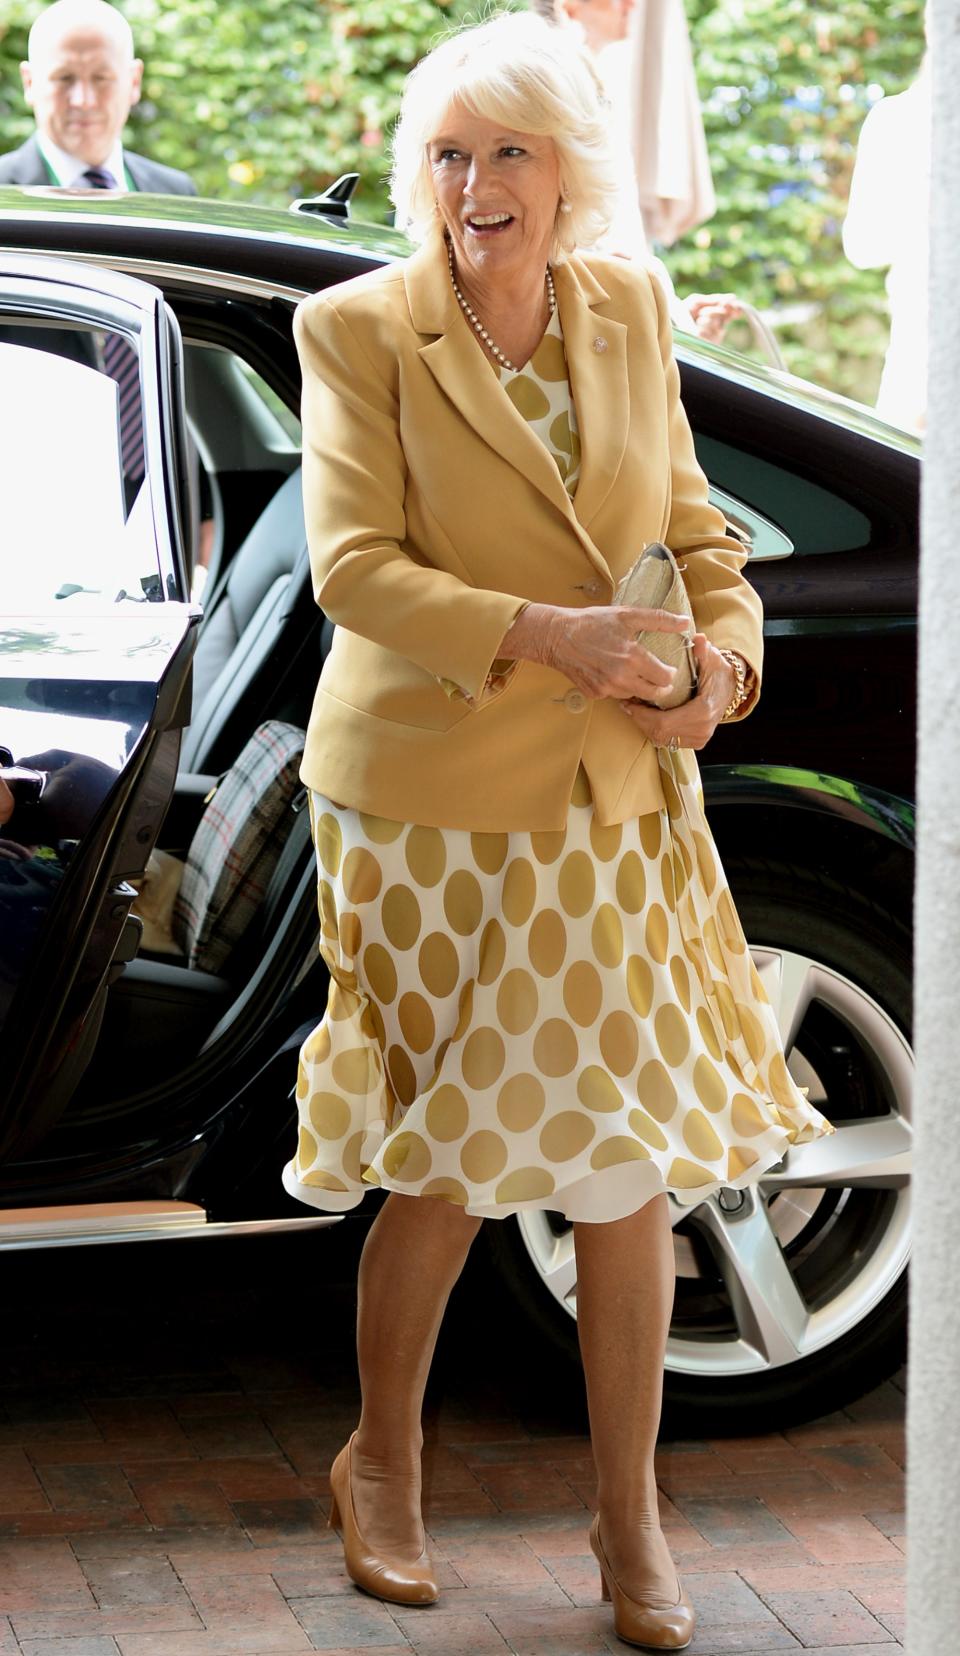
x,y
365,577
725,605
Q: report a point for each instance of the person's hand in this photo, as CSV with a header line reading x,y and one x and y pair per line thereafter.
x,y
712,313
597,650
693,724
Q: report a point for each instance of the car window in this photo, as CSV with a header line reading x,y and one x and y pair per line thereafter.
x,y
77,525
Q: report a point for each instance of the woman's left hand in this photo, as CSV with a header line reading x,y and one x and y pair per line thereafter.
x,y
693,724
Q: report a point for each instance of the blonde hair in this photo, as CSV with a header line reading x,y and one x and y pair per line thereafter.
x,y
519,71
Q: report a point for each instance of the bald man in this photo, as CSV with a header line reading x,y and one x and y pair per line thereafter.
x,y
81,79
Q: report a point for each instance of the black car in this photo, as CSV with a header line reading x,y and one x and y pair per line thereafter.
x,y
145,1098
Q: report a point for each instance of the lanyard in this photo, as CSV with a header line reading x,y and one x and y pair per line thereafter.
x,y
60,184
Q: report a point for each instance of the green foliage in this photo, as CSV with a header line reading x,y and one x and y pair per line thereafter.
x,y
264,100
785,88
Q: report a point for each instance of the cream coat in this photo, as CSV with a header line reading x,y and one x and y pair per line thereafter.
x,y
433,512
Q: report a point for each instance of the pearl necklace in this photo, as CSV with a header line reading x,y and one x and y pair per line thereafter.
x,y
478,326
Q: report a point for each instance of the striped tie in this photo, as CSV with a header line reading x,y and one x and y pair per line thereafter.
x,y
121,363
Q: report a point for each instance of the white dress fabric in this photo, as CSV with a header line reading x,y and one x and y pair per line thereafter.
x,y
567,1020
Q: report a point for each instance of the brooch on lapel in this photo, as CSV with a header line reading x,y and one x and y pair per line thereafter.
x,y
599,344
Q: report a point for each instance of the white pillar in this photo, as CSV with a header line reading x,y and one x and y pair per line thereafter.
x,y
933,1415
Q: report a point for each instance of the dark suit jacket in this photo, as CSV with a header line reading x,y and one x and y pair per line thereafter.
x,y
25,166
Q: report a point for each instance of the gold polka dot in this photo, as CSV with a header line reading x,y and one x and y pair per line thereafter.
x,y
351,935
519,892
708,1033
582,794
728,1010
381,830
342,1003
598,1091
327,904
686,1175
464,1010
566,1135
447,1115
607,935
780,1084
666,881
583,993
356,1070
576,883
306,1149
706,862
483,1058
673,1036
651,831
517,1001
489,851
362,876
548,358
711,938
426,854
400,912
613,1151
527,397
416,1021
619,1042
323,1181
350,1157
329,1115
526,1184
746,1116
685,857
756,984
656,1091
372,1024
739,1160
709,1085
631,882
463,902
316,1047
407,1157
640,985
439,965
329,842
483,1157
447,1190
403,1076
555,1049
730,928
679,875
439,1056
657,934
605,841
380,972
671,797
752,1031
303,1082
648,1130
521,1103
700,1138
493,949
547,942
548,844
681,981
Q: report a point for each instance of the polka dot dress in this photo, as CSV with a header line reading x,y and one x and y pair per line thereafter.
x,y
566,1020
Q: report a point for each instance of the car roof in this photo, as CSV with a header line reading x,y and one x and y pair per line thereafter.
x,y
244,239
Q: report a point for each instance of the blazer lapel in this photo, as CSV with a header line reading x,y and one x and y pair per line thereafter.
x,y
457,363
596,352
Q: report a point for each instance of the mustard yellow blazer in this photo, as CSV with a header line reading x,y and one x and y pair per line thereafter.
x,y
434,512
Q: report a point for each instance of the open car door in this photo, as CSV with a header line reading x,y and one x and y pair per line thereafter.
x,y
96,637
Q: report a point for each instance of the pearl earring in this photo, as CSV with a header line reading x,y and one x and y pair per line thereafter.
x,y
565,207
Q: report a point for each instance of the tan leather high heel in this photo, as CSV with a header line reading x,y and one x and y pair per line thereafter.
x,y
643,1624
384,1578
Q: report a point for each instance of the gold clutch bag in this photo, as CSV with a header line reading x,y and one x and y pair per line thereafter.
x,y
655,582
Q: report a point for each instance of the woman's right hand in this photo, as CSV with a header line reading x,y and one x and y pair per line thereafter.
x,y
596,648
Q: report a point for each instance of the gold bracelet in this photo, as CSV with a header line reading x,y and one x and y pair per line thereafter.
x,y
740,690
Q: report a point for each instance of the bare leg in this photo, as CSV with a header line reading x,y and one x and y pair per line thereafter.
x,y
413,1255
625,1284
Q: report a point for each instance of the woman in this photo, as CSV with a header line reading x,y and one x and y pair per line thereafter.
x,y
540,995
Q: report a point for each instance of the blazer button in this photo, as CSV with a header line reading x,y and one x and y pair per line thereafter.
x,y
575,701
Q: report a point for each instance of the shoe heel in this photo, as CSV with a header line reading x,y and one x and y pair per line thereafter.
x,y
333,1522
604,1589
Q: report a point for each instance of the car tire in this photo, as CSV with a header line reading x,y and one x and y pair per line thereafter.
x,y
845,1242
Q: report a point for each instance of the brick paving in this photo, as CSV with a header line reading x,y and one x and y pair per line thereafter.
x,y
168,1416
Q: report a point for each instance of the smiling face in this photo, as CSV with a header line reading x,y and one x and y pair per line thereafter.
x,y
81,88
498,192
